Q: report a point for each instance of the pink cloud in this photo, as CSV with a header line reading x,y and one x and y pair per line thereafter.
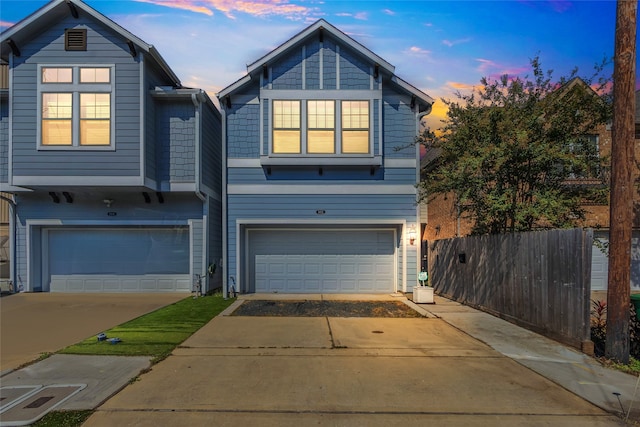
x,y
388,12
180,4
460,86
415,50
452,43
228,7
6,24
363,16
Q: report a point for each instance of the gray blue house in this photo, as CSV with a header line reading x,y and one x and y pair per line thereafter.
x,y
111,165
321,168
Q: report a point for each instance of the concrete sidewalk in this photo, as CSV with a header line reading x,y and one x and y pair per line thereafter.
x,y
563,365
359,371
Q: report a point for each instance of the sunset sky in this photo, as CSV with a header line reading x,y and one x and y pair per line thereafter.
x,y
438,46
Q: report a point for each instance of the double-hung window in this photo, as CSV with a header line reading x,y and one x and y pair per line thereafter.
x,y
75,107
355,127
286,127
321,127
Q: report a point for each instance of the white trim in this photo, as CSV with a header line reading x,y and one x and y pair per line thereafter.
x,y
10,107
313,221
76,89
70,224
337,66
80,181
321,94
303,159
400,163
261,124
191,232
336,189
243,163
225,272
143,121
256,163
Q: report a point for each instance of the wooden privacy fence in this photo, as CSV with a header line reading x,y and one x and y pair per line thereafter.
x,y
540,280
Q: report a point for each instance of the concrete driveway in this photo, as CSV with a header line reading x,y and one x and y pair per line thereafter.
x,y
35,323
342,372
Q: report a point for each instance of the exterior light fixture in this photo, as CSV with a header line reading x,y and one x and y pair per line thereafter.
x,y
412,235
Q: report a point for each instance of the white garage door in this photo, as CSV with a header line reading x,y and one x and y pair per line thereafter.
x,y
322,261
117,259
600,262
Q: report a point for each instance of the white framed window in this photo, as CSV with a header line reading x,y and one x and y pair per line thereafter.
x,y
321,128
75,107
355,127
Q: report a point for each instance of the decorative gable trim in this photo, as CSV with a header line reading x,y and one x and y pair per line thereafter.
x,y
24,30
320,25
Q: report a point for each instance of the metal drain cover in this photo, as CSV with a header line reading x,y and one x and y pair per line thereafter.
x,y
14,393
30,406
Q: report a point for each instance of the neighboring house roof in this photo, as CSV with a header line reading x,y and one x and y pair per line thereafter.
x,y
254,69
22,32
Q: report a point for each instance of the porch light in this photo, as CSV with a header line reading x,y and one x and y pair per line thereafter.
x,y
412,235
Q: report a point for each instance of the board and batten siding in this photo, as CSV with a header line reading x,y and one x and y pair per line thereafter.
x,y
104,48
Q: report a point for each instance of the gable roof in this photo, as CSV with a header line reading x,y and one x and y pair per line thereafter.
x,y
22,32
321,25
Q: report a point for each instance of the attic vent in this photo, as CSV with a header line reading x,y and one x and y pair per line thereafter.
x,y
75,39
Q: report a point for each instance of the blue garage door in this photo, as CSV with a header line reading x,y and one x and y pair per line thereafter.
x,y
117,259
322,261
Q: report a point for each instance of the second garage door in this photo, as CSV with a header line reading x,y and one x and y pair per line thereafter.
x,y
117,259
322,261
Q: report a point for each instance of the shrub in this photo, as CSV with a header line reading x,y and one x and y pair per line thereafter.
x,y
599,329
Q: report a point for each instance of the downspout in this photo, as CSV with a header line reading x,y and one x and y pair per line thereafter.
x,y
225,282
197,103
419,117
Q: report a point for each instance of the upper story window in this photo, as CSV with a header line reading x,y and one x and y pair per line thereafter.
x,y
286,127
76,108
355,127
311,127
321,125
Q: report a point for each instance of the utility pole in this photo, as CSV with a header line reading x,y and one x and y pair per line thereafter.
x,y
622,161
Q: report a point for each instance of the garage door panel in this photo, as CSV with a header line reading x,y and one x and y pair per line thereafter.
x,y
112,259
322,261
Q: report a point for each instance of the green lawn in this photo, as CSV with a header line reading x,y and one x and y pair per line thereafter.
x,y
155,334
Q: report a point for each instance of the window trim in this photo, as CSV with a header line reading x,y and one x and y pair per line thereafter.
x,y
321,158
75,88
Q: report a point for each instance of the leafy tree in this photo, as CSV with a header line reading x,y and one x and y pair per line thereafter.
x,y
514,151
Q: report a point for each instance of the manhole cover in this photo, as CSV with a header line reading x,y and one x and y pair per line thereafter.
x,y
11,394
31,406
